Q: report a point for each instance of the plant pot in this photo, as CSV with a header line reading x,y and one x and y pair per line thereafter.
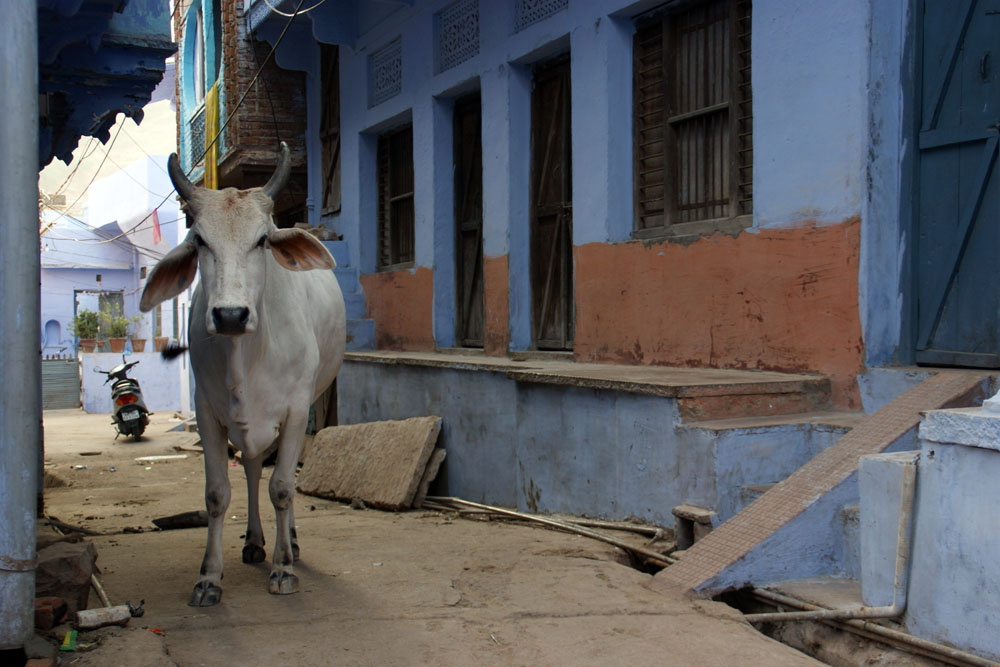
x,y
160,343
138,344
88,345
117,345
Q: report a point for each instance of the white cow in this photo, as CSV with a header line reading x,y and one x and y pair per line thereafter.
x,y
267,336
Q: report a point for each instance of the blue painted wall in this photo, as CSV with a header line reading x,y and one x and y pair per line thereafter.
x,y
73,254
827,111
539,447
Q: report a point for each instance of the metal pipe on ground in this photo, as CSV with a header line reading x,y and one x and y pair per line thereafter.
x,y
904,534
655,557
20,325
874,631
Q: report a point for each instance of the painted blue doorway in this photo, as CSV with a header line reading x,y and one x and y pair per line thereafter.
x,y
957,187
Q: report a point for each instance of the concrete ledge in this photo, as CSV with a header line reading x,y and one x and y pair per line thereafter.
x,y
670,382
962,426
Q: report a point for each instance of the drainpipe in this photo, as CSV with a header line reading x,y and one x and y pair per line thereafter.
x,y
899,589
886,635
20,312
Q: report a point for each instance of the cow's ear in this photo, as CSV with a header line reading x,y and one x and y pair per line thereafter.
x,y
297,250
171,276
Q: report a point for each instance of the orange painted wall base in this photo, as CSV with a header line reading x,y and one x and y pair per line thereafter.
x,y
496,297
784,299
402,305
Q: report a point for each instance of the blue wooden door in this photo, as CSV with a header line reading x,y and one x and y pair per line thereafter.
x,y
957,231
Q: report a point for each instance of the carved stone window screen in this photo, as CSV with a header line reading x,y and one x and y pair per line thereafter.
x,y
385,73
528,12
456,29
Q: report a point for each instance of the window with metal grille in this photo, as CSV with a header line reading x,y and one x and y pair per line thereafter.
x,y
693,125
329,128
395,197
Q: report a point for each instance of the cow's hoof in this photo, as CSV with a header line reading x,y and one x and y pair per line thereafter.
x,y
205,594
295,551
253,554
283,583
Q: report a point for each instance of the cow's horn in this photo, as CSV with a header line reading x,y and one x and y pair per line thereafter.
x,y
185,188
280,175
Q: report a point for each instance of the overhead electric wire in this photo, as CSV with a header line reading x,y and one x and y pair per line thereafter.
x,y
246,92
215,139
93,178
87,152
133,178
297,12
140,147
127,245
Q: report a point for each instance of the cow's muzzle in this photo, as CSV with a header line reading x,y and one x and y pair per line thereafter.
x,y
230,321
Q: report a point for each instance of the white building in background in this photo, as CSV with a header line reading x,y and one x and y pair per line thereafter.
x,y
106,218
101,260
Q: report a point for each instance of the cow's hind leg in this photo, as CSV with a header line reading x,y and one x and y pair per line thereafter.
x,y
283,580
253,544
208,590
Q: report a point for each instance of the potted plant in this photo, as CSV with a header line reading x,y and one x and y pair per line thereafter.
x,y
117,327
85,328
160,342
138,344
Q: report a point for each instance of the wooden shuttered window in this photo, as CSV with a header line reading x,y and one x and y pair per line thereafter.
x,y
395,197
693,120
329,129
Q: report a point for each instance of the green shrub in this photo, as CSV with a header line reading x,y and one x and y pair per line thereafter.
x,y
85,324
117,325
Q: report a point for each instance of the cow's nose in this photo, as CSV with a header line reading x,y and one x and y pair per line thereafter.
x,y
230,320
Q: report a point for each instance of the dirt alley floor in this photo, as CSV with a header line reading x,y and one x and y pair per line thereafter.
x,y
377,588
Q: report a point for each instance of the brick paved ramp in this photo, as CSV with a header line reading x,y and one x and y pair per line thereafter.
x,y
791,531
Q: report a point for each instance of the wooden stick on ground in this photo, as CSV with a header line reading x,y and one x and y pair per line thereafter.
x,y
62,528
94,581
648,554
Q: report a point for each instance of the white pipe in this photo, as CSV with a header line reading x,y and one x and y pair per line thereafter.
x,y
884,634
20,313
899,588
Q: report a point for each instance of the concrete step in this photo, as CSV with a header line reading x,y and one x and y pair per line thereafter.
x,y
701,393
360,334
797,518
746,398
355,303
751,454
340,253
348,279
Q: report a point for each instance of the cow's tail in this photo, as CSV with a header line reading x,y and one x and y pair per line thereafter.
x,y
173,350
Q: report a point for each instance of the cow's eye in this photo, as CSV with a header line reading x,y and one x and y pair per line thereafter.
x,y
260,243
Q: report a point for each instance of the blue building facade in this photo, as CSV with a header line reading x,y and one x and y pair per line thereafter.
x,y
807,176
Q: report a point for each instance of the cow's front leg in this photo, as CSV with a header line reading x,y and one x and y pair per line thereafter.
x,y
282,488
214,438
253,545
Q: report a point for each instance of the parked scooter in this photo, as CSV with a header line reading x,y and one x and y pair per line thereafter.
x,y
128,410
